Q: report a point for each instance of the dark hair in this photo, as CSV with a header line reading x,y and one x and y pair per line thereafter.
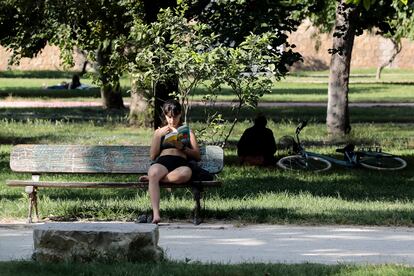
x,y
260,120
171,108
75,82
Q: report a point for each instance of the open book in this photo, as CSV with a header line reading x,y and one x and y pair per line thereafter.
x,y
181,134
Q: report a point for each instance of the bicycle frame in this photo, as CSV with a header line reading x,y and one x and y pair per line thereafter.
x,y
352,162
351,157
307,160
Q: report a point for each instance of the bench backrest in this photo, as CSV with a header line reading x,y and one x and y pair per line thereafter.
x,y
96,159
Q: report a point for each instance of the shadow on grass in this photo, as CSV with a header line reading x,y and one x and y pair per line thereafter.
x,y
276,90
109,204
91,194
291,215
347,184
299,91
40,74
12,197
385,82
75,213
67,114
4,158
106,212
372,88
43,94
276,114
240,182
314,114
13,140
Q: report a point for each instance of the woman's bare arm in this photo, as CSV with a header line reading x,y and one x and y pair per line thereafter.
x,y
155,149
194,150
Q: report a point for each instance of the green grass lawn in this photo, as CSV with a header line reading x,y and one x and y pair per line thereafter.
x,y
359,92
357,75
182,269
277,114
397,86
249,194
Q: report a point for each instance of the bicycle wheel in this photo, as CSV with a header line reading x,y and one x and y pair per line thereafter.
x,y
380,161
300,163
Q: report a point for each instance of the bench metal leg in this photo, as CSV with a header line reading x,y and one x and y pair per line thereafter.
x,y
35,204
197,192
29,217
32,191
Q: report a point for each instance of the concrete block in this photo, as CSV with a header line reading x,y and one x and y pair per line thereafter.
x,y
85,242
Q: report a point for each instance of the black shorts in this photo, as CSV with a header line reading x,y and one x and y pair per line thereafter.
x,y
171,162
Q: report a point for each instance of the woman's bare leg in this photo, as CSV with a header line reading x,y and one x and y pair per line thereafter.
x,y
155,173
179,175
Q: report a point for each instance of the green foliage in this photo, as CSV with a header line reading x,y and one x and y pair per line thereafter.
x,y
386,16
233,21
248,69
321,13
170,47
351,21
90,26
19,20
173,46
403,22
368,3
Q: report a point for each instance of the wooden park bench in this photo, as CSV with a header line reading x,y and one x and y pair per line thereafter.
x,y
41,159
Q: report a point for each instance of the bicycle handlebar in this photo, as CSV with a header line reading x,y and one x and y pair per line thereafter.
x,y
301,126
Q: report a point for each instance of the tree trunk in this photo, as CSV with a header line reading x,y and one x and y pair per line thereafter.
x,y
112,96
140,112
161,90
343,40
83,72
397,47
110,88
162,93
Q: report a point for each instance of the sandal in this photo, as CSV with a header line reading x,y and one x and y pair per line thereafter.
x,y
144,178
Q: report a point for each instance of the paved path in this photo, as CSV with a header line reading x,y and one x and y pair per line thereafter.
x,y
259,243
60,103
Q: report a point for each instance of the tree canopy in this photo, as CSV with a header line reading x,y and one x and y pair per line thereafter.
x,y
103,30
232,21
347,19
100,29
176,47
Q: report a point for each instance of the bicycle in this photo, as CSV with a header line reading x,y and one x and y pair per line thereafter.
x,y
366,157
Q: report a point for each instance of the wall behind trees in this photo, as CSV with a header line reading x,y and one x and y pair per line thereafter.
x,y
369,51
48,59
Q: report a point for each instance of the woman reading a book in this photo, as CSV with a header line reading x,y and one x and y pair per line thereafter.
x,y
170,150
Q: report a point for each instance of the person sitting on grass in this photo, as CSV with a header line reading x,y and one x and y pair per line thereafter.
x,y
257,145
171,160
75,83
